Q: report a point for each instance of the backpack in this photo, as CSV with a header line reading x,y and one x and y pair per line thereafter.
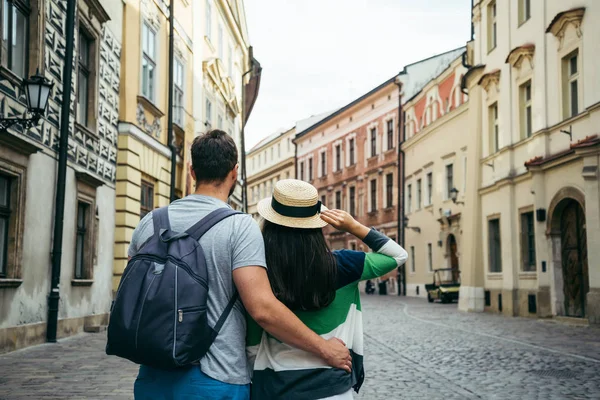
x,y
159,316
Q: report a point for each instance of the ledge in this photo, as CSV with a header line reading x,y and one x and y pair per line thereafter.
x,y
528,276
11,76
150,106
494,276
82,282
10,283
87,130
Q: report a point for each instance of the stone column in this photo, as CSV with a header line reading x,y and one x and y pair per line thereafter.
x,y
592,222
472,274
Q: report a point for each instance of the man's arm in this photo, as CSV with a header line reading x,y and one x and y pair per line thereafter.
x,y
255,291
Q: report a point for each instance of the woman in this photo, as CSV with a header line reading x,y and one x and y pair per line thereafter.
x,y
320,286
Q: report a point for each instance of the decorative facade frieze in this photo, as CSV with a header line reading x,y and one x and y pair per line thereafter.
x,y
520,54
489,79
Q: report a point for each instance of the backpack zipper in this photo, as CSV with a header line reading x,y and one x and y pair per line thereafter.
x,y
177,263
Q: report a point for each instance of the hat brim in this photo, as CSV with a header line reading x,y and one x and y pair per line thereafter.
x,y
266,211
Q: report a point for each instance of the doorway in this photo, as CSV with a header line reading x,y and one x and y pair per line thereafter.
x,y
453,255
574,258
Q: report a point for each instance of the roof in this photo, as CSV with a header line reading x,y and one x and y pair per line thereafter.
x,y
416,76
588,141
269,139
341,110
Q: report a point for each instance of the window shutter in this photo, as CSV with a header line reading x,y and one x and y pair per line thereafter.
x,y
319,164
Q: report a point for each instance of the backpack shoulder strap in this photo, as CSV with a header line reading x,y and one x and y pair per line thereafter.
x,y
225,314
160,219
202,226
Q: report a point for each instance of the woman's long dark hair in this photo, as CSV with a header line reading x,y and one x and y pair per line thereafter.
x,y
301,268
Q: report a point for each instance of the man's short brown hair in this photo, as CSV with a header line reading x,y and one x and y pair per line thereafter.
x,y
214,156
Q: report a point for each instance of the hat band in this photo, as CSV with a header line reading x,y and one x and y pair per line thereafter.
x,y
295,212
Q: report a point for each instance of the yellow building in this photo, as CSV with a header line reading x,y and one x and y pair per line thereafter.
x,y
271,160
435,147
144,157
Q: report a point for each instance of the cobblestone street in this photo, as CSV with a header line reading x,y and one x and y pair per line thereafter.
x,y
414,350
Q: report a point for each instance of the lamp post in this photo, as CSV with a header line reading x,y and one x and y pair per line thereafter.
x,y
37,90
454,195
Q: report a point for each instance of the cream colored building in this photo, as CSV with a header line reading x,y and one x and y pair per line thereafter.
x,y
534,89
271,160
436,142
221,58
144,157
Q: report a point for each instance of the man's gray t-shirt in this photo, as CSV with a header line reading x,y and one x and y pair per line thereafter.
x,y
233,243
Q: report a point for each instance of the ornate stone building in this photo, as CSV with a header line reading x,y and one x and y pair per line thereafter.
x,y
535,101
144,159
28,168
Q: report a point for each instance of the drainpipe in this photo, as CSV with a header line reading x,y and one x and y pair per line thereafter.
x,y
170,136
472,24
400,182
59,212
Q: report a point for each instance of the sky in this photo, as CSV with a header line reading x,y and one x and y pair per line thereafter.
x,y
319,55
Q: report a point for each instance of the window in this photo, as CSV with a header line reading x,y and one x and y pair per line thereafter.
x,y
449,179
373,142
418,194
15,24
324,163
429,188
352,160
389,184
310,169
526,122
412,259
390,134
271,154
208,23
81,244
302,171
338,200
495,247
146,199
374,195
178,103
429,257
492,26
494,129
324,200
148,62
571,84
278,150
464,188
338,157
5,197
208,122
220,44
528,242
409,198
83,77
352,201
220,124
289,141
353,246
524,11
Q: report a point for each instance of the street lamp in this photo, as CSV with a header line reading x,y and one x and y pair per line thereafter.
x,y
413,228
454,195
37,90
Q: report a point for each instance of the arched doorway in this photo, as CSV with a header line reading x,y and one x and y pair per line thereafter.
x,y
452,254
573,255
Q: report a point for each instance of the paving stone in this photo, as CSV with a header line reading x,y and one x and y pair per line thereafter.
x,y
413,350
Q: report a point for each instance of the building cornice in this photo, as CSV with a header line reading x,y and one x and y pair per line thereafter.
x,y
521,53
288,162
560,22
129,129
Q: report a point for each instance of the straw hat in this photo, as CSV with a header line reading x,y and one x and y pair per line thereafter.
x,y
294,204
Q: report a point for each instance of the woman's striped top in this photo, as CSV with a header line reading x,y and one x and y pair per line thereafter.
x,y
284,372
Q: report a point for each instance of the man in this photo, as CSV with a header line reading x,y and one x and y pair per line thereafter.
x,y
235,255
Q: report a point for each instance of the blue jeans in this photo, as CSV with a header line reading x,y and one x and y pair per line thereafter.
x,y
184,384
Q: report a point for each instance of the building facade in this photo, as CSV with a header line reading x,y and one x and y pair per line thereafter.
x,y
436,142
351,157
28,165
144,159
271,160
534,98
222,58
